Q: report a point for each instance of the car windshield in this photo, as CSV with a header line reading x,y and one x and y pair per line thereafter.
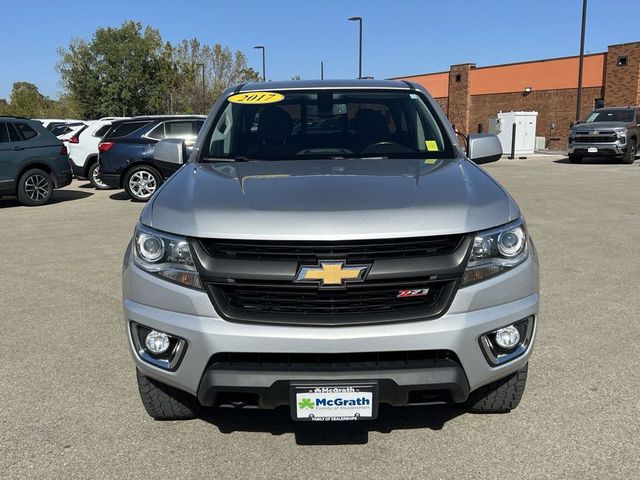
x,y
610,116
326,124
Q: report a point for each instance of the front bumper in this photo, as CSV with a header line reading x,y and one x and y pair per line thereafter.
x,y
190,315
603,149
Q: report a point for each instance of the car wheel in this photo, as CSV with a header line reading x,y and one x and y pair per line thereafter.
x,y
501,396
575,159
35,187
163,402
94,178
630,155
142,182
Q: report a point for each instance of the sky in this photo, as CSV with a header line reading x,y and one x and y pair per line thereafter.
x,y
400,37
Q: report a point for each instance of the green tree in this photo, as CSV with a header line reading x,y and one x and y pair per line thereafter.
x,y
222,68
130,71
26,100
118,73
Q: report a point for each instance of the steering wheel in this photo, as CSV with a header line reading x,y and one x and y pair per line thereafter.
x,y
387,147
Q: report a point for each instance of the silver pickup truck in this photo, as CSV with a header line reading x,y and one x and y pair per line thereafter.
x,y
606,132
330,246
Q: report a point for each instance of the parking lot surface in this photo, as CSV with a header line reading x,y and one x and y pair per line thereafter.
x,y
69,406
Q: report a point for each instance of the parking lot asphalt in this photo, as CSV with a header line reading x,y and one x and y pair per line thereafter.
x,y
69,406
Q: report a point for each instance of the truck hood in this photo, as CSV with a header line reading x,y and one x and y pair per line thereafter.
x,y
588,127
329,200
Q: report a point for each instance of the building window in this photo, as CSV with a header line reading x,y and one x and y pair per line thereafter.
x,y
598,103
623,61
458,77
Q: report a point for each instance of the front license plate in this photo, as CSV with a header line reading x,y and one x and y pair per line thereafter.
x,y
592,149
334,402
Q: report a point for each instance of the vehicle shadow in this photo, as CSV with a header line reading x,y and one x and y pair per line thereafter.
x,y
591,161
121,195
278,422
59,196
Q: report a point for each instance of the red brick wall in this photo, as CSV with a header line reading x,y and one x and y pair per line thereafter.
x,y
459,102
553,106
622,83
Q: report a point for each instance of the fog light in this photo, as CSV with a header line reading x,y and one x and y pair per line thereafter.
x,y
157,342
508,343
507,337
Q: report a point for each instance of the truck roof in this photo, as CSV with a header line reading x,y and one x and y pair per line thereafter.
x,y
322,84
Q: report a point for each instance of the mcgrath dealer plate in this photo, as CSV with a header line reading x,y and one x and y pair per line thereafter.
x,y
592,149
334,402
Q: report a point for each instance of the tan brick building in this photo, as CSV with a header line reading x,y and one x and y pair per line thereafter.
x,y
470,95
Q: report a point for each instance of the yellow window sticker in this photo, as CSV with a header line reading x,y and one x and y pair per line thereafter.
x,y
255,98
430,161
432,145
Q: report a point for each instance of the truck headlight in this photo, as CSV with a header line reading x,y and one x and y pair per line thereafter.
x,y
497,250
621,133
165,255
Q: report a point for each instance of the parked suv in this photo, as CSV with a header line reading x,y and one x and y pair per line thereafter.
x,y
83,150
606,132
33,162
126,155
330,265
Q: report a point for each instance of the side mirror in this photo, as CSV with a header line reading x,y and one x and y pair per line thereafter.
x,y
483,148
171,150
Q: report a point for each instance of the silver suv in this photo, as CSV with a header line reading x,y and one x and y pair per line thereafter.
x,y
330,246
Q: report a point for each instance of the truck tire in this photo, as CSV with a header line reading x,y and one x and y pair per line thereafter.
x,y
630,154
142,182
35,187
575,159
163,402
501,396
94,178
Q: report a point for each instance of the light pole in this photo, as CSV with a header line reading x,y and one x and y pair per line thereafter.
x,y
264,75
584,24
204,95
359,20
321,70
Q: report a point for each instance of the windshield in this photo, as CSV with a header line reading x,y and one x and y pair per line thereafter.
x,y
326,124
610,116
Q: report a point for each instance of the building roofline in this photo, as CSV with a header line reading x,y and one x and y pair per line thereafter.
x,y
623,44
505,64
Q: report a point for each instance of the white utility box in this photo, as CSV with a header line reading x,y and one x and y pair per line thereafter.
x,y
525,122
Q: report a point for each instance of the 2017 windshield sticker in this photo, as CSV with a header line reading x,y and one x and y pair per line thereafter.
x,y
432,145
256,98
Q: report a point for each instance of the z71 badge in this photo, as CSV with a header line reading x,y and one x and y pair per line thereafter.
x,y
417,292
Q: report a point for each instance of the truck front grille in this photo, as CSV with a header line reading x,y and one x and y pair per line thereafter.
x,y
255,281
305,251
602,137
367,302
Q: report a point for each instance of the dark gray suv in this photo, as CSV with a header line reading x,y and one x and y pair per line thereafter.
x,y
33,162
606,132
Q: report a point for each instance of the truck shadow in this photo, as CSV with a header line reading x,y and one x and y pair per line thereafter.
x,y
278,422
591,161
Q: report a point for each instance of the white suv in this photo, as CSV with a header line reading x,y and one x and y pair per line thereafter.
x,y
83,151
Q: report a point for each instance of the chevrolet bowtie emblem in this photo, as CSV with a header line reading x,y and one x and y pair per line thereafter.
x,y
331,273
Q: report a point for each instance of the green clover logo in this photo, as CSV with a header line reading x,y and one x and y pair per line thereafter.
x,y
305,403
